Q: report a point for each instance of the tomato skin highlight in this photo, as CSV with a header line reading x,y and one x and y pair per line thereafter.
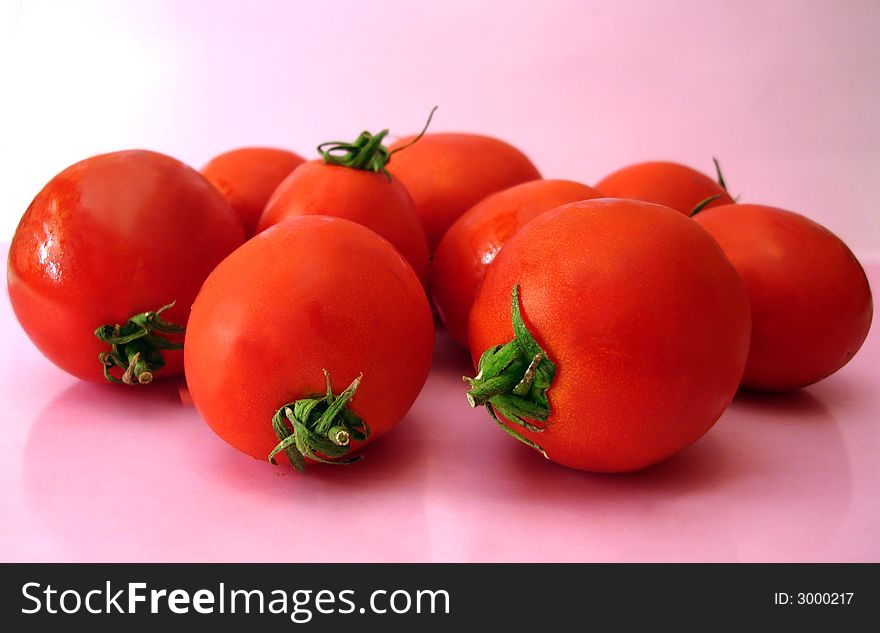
x,y
811,302
108,237
472,242
247,177
644,318
308,294
446,174
365,197
670,184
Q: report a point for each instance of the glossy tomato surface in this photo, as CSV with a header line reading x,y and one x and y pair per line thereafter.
x,y
308,294
669,184
247,177
110,237
811,303
447,174
365,197
473,241
645,319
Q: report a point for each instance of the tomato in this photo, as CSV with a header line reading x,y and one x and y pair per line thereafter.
x,y
669,184
811,303
447,174
309,295
365,197
247,177
113,237
633,336
470,245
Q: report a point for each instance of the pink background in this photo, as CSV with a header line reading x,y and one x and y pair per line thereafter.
x,y
785,93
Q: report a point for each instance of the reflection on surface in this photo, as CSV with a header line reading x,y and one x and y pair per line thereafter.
x,y
130,474
769,482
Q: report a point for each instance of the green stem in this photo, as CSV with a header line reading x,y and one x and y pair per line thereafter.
x,y
512,380
719,174
721,179
702,204
136,346
367,152
319,428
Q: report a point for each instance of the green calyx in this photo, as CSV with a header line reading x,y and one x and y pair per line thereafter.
x,y
513,379
367,152
320,428
136,346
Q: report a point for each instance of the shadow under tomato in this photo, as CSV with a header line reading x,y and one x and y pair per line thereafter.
x,y
131,474
704,465
801,403
336,512
771,472
389,461
709,461
449,356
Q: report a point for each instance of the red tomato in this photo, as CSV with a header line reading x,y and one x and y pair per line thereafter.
x,y
310,294
366,197
811,303
447,174
110,237
248,176
670,184
639,332
470,245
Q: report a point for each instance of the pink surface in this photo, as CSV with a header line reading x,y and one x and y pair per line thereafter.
x,y
103,473
785,93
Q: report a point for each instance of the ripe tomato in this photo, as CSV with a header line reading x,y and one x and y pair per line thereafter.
x,y
669,184
108,238
447,174
472,242
811,303
632,341
248,176
365,197
310,294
